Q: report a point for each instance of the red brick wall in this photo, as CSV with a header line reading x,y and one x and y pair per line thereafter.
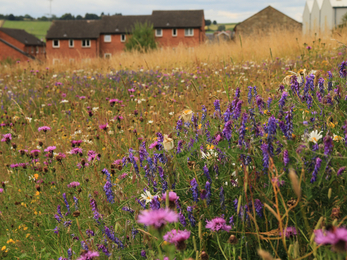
x,y
8,52
76,52
167,40
12,41
114,46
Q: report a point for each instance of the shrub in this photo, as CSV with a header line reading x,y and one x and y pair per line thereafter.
x,y
142,38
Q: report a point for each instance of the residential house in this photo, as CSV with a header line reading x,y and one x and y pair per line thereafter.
x,y
17,44
326,15
265,22
106,37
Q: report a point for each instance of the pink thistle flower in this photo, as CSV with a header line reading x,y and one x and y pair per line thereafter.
x,y
6,138
121,177
337,237
103,127
1,190
50,149
44,128
89,255
153,145
157,218
73,184
76,150
217,224
177,237
289,232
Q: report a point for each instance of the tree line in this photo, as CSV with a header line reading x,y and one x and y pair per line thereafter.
x,y
66,16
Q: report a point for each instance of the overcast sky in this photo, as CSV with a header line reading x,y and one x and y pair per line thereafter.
x,y
222,11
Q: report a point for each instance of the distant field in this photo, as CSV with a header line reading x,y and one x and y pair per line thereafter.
x,y
228,26
37,28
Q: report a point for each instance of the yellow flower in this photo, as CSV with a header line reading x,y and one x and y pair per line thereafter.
x,y
210,147
36,176
10,241
3,248
25,228
27,235
37,193
331,124
199,126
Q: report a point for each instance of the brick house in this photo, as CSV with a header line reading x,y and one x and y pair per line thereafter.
x,y
105,37
73,39
265,22
17,44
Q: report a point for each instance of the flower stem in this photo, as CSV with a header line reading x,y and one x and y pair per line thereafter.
x,y
220,247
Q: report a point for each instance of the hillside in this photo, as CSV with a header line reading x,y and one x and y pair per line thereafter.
x,y
37,28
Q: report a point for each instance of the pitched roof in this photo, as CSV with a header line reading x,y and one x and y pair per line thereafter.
x,y
17,49
268,7
22,36
178,18
122,24
74,29
78,29
309,4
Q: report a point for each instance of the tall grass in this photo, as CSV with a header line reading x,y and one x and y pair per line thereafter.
x,y
256,48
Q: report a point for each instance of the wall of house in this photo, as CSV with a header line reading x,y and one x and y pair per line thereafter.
x,y
306,20
112,47
76,52
8,52
12,41
167,40
315,17
327,15
265,22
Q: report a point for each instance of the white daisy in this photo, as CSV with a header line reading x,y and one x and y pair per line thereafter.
x,y
147,197
315,136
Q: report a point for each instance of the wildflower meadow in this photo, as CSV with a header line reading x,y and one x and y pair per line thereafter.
x,y
213,160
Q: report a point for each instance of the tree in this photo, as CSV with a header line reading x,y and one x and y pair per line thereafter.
x,y
11,17
43,18
67,16
142,38
79,17
214,22
91,17
221,27
208,22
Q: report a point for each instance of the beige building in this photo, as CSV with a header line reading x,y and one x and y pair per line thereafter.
x,y
265,22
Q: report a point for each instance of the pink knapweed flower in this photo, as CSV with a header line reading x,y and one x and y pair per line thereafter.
x,y
44,128
50,149
152,145
337,237
73,184
289,231
6,138
157,218
76,150
177,237
217,224
89,255
103,127
1,190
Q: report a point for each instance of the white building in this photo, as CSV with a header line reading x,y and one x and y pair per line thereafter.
x,y
306,17
323,15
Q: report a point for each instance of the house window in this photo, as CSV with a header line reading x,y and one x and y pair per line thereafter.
x,y
174,32
56,43
122,37
107,38
71,43
27,49
159,32
188,32
37,49
56,61
44,49
107,55
86,43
